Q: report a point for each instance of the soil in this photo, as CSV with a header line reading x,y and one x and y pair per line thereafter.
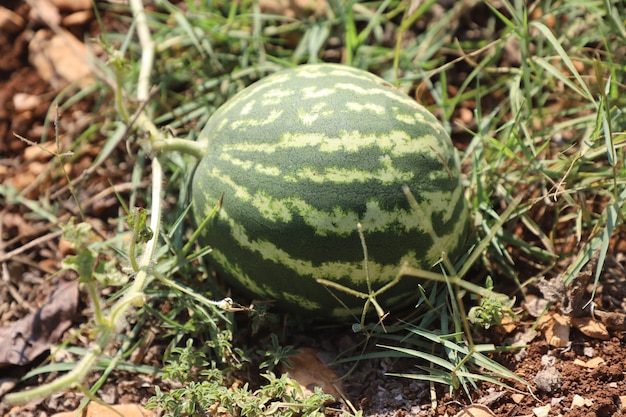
x,y
582,376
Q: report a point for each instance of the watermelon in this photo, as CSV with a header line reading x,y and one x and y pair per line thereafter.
x,y
301,157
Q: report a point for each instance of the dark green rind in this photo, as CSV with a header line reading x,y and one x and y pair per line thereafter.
x,y
259,158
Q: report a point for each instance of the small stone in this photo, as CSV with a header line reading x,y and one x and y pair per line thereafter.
x,y
543,411
556,401
517,398
548,379
591,363
7,384
548,360
466,116
23,102
579,401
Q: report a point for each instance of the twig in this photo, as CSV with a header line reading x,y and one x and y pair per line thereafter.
x,y
52,235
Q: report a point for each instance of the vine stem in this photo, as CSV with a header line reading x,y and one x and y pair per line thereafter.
x,y
147,49
134,294
109,326
195,149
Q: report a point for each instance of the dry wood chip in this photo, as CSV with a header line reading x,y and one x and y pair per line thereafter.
x,y
612,320
46,12
534,305
59,58
310,372
590,327
556,330
490,398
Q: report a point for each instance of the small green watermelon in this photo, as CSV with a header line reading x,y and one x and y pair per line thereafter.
x,y
300,158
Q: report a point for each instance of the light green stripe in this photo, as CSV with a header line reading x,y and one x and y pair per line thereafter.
x,y
247,165
271,208
301,301
372,92
251,284
302,267
248,108
310,116
243,164
235,271
417,118
247,123
396,143
241,193
338,222
315,92
371,107
275,92
444,204
276,97
341,222
378,274
333,175
312,72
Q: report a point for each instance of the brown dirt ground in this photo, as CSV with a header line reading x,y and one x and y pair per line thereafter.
x,y
25,283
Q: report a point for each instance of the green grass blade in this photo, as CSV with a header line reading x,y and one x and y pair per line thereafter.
x,y
583,90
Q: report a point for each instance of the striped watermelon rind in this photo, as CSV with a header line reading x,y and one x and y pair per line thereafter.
x,y
300,158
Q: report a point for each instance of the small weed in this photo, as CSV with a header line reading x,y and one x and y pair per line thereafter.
x,y
278,397
276,354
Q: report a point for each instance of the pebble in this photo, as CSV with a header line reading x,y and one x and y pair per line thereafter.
x,y
543,411
548,380
579,401
24,101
